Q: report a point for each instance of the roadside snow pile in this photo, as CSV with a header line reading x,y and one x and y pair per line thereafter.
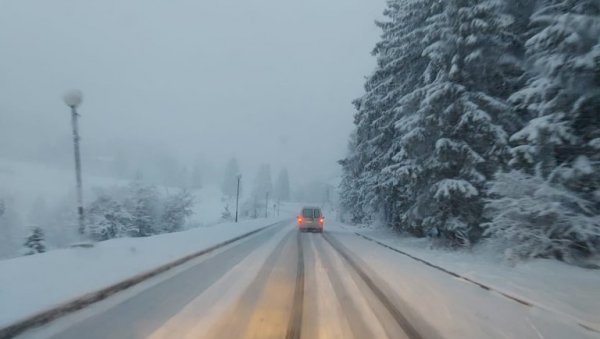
x,y
35,283
553,285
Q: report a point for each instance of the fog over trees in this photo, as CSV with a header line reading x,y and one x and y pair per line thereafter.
x,y
282,187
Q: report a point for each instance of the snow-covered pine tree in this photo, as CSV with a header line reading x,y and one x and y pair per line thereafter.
x,y
537,218
176,208
369,186
107,218
457,139
349,190
405,59
143,205
226,214
559,149
35,242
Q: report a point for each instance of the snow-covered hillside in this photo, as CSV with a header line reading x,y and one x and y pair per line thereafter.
x,y
35,194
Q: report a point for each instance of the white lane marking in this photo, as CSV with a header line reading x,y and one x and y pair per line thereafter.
x,y
539,334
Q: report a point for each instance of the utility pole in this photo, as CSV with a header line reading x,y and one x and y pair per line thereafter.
x,y
267,206
237,198
73,100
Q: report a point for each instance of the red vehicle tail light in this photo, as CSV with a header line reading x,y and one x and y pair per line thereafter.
x,y
321,221
300,220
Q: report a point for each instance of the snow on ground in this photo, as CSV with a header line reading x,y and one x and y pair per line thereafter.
x,y
208,207
31,190
35,283
564,289
452,307
28,183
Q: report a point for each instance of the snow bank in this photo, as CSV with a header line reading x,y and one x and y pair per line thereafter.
x,y
558,287
35,283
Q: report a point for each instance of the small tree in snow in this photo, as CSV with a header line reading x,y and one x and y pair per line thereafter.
x,y
35,242
226,214
554,207
541,219
176,208
143,205
107,218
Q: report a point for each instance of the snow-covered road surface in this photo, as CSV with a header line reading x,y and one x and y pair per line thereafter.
x,y
283,284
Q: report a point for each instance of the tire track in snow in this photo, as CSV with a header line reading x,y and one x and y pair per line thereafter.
x,y
359,326
295,323
367,278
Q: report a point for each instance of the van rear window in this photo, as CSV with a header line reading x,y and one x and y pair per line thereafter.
x,y
311,213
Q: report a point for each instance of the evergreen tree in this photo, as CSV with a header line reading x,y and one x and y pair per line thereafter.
x,y
143,205
431,127
176,208
229,186
349,190
558,151
35,242
226,214
540,219
369,185
108,218
461,138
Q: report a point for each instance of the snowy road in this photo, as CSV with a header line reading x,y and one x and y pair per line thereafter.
x,y
284,284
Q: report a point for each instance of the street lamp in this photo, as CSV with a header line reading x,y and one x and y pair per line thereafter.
x,y
73,99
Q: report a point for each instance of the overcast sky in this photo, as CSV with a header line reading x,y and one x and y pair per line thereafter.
x,y
267,81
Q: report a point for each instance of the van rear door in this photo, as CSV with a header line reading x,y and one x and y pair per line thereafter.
x,y
308,215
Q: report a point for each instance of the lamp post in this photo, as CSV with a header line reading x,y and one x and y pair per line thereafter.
x,y
73,99
237,197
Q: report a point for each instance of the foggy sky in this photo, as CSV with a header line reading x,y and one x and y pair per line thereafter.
x,y
267,81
